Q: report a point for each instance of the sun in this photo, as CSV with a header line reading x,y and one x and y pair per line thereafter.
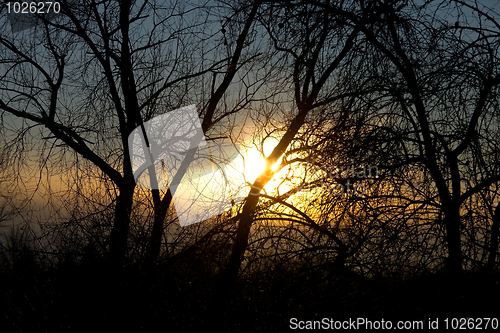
x,y
230,173
254,163
255,159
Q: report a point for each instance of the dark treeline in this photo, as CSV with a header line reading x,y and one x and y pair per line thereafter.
x,y
378,121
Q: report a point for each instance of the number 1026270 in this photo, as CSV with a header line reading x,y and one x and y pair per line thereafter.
x,y
16,7
471,323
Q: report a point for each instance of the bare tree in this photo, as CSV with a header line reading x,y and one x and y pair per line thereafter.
x,y
235,62
438,78
91,76
305,35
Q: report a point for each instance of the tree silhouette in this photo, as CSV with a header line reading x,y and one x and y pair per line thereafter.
x,y
103,68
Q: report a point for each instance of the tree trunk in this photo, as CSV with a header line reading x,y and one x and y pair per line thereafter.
x,y
230,274
161,207
452,224
495,234
119,233
160,212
